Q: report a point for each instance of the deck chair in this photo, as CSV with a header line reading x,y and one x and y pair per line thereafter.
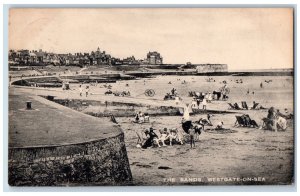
x,y
254,106
231,106
239,121
266,121
244,105
253,123
237,107
247,120
113,119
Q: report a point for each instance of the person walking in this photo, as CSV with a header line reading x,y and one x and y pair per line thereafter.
x,y
192,137
209,99
80,90
204,102
176,100
87,89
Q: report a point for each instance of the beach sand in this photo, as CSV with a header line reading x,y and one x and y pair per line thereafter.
x,y
247,153
255,156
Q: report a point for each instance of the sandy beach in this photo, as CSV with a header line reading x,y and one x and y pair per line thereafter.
x,y
243,156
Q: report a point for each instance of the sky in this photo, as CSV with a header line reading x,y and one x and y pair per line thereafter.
x,y
243,38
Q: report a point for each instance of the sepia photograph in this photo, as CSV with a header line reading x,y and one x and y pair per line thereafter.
x,y
151,96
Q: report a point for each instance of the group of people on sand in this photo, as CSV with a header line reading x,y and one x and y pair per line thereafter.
x,y
239,81
210,80
201,98
276,120
118,93
84,90
141,117
150,137
173,95
194,129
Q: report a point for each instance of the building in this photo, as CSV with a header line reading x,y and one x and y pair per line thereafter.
x,y
154,58
116,61
40,56
130,61
12,56
99,58
211,68
32,58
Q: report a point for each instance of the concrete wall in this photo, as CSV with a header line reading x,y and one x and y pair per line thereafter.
x,y
98,162
211,68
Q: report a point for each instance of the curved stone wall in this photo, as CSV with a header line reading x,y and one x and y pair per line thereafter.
x,y
97,162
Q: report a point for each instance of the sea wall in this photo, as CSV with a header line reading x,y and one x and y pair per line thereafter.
x,y
211,68
97,162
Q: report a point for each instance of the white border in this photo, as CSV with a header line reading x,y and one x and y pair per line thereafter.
x,y
132,3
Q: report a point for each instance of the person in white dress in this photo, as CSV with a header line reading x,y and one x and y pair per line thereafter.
x,y
204,102
176,100
186,112
209,97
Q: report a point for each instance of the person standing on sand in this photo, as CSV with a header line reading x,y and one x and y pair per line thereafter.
x,y
173,91
137,117
208,118
80,90
192,137
209,97
198,99
176,100
87,89
204,102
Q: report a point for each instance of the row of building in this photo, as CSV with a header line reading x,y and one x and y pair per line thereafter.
x,y
34,57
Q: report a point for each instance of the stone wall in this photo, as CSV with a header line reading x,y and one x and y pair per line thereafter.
x,y
211,68
97,162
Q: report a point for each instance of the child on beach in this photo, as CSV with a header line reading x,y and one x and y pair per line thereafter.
x,y
87,90
204,102
209,99
176,100
220,126
80,90
192,137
